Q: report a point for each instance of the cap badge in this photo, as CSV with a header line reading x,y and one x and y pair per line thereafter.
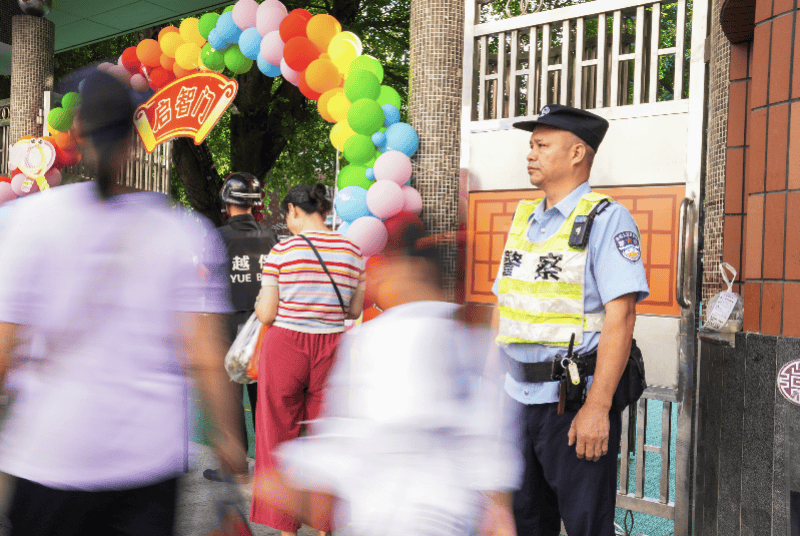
x,y
545,111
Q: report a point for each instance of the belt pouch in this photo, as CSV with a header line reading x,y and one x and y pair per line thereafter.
x,y
632,383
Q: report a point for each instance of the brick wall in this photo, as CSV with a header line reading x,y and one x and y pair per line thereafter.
x,y
437,41
763,170
719,68
32,54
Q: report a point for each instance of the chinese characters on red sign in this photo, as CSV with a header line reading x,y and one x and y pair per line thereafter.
x,y
190,107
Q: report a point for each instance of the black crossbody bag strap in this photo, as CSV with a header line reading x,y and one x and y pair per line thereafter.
x,y
335,286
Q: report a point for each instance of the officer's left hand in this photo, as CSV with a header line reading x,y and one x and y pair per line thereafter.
x,y
589,432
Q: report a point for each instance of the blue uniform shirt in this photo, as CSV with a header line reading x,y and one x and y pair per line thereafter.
x,y
612,270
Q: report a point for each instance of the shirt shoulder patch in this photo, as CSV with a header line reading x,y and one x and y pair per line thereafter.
x,y
627,243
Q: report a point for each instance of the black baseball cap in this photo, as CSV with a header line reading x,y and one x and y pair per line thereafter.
x,y
587,126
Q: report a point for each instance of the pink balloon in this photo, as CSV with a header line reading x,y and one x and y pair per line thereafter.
x,y
120,73
105,66
139,83
269,17
6,192
369,234
272,48
412,201
53,177
244,14
385,199
291,76
393,166
16,185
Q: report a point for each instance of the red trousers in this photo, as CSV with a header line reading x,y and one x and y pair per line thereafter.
x,y
292,372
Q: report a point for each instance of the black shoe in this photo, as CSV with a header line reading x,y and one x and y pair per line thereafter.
x,y
215,475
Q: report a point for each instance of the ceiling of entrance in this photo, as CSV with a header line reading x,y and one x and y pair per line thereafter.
x,y
80,22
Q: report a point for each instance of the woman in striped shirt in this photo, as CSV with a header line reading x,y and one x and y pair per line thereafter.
x,y
306,314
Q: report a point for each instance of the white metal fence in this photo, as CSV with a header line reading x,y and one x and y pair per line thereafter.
x,y
605,53
144,171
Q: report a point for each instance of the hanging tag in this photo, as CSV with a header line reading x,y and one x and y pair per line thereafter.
x,y
726,301
725,266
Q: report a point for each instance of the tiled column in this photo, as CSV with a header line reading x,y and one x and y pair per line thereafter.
x,y
32,52
437,39
772,173
715,156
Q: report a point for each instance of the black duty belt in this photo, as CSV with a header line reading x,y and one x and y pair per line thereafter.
x,y
550,371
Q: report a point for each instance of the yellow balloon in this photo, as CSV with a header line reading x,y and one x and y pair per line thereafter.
x,y
190,31
170,43
340,133
188,56
342,53
350,36
338,106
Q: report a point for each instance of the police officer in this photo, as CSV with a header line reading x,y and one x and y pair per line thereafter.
x,y
248,243
568,284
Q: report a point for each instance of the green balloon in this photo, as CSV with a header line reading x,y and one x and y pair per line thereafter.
x,y
212,58
367,63
365,117
389,96
353,175
60,119
236,61
229,8
361,84
207,23
70,100
358,149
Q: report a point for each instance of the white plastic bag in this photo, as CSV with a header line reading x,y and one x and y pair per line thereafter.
x,y
238,357
725,310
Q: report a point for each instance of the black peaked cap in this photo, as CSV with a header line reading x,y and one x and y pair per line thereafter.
x,y
589,127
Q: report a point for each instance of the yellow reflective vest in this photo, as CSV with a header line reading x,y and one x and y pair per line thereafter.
x,y
540,291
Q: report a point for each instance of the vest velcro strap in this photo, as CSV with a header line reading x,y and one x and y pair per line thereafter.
x,y
594,322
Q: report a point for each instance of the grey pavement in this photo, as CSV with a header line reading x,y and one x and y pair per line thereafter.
x,y
197,496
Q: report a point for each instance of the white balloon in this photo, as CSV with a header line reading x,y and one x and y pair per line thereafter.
x,y
272,48
412,200
15,157
292,76
269,16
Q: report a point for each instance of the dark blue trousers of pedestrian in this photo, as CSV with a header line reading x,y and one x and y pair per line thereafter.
x,y
556,483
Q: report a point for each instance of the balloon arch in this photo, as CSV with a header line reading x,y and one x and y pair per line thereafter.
x,y
374,198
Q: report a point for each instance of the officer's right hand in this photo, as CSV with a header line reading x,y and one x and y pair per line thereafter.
x,y
589,432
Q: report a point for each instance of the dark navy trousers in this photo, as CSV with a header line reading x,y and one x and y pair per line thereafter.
x,y
556,483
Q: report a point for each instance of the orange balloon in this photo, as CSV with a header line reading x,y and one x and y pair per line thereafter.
x,y
321,29
149,53
180,72
65,140
167,62
322,104
166,30
371,313
322,75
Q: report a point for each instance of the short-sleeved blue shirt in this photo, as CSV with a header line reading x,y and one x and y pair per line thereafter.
x,y
612,270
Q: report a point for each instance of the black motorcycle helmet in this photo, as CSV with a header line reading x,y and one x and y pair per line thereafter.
x,y
241,189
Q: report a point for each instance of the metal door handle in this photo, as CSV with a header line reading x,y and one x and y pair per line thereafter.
x,y
684,236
